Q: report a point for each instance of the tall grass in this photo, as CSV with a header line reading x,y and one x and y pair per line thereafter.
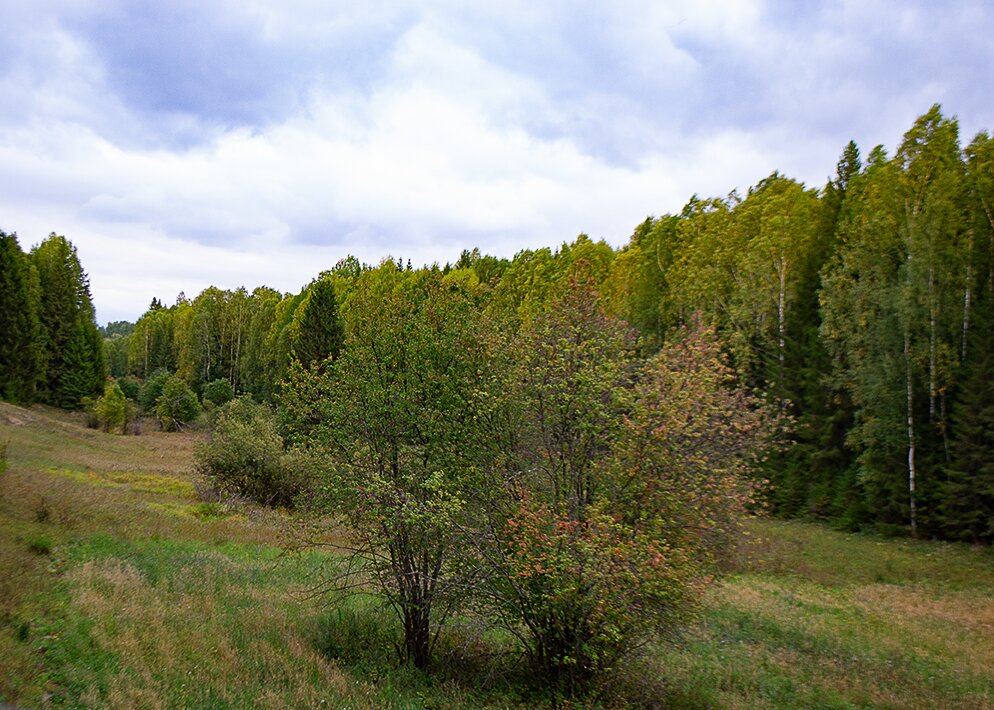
x,y
121,588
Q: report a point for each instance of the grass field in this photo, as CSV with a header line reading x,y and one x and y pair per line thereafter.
x,y
120,588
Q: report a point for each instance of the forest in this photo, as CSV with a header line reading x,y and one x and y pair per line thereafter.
x,y
862,312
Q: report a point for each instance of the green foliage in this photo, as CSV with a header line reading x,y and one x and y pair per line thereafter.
x,y
625,488
79,369
487,269
177,405
245,455
151,344
896,307
118,328
637,289
967,504
116,355
320,332
74,365
150,391
111,409
393,421
20,329
218,391
256,374
130,386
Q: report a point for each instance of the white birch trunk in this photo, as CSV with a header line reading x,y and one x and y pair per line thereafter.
x,y
911,435
932,317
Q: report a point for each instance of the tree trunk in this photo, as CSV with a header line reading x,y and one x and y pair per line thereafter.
x,y
932,317
911,435
967,296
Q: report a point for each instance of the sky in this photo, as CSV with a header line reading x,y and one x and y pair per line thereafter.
x,y
191,143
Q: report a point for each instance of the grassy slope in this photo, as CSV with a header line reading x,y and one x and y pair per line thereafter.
x,y
119,588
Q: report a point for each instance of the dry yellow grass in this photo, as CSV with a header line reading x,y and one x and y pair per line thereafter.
x,y
172,642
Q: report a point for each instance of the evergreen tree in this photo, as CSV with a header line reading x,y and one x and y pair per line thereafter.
x,y
966,509
20,332
321,334
79,374
74,364
809,475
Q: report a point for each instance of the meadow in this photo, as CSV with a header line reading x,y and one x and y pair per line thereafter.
x,y
123,584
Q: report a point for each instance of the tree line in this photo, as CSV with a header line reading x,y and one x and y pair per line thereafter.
x,y
862,312
50,348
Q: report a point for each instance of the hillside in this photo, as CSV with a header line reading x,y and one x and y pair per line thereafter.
x,y
121,587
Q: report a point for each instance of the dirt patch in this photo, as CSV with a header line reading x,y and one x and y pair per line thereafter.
x,y
14,416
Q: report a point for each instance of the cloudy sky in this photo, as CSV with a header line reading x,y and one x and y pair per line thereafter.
x,y
187,143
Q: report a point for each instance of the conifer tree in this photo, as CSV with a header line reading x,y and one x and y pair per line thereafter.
x,y
321,334
19,326
966,510
74,364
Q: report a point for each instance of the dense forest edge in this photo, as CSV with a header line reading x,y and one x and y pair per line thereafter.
x,y
863,311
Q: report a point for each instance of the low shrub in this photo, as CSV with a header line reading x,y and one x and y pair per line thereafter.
x,y
131,386
111,410
218,392
244,456
177,405
40,544
148,395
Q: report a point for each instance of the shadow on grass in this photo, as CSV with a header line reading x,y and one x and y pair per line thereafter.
x,y
473,667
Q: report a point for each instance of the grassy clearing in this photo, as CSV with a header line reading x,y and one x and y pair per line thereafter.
x,y
815,618
121,589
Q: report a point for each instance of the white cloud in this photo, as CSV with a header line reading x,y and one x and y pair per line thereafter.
x,y
505,129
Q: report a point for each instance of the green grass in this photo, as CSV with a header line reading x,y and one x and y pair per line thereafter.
x,y
816,618
121,589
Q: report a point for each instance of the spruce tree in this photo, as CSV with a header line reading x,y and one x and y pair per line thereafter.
x,y
20,331
966,508
321,332
73,350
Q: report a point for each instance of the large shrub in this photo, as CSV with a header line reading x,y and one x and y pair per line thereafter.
x,y
392,418
245,455
151,390
111,410
219,392
624,491
177,405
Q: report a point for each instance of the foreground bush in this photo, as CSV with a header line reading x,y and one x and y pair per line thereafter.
x,y
392,420
245,455
625,490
